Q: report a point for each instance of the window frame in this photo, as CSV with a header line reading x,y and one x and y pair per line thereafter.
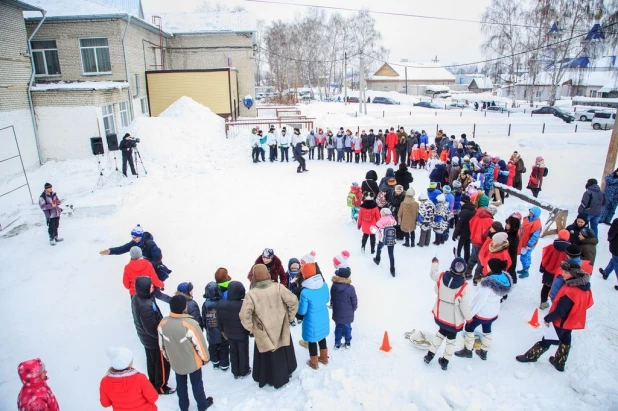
x,y
122,113
108,111
144,106
94,48
42,51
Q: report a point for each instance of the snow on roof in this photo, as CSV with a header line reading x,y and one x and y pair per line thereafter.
x,y
416,72
577,77
207,22
82,85
483,83
56,8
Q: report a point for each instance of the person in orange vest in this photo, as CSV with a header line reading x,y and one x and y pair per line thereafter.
x,y
391,142
479,230
553,255
496,246
567,313
530,234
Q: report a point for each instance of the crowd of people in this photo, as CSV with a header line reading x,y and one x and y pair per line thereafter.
x,y
462,197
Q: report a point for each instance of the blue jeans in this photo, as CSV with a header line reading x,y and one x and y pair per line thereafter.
x,y
198,390
391,254
594,224
377,158
486,324
612,266
526,259
340,331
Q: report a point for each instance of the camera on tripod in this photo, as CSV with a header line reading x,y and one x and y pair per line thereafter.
x,y
134,141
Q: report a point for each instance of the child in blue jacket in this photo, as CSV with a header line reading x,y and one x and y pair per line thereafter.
x,y
316,325
343,300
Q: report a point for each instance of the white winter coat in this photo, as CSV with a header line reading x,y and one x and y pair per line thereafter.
x,y
272,139
452,307
486,301
297,138
254,139
284,140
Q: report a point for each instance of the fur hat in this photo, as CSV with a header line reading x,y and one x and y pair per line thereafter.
x,y
458,266
341,259
222,276
492,209
135,253
185,288
496,265
268,253
137,231
260,273
178,303
564,235
308,270
573,251
385,211
573,269
500,237
120,358
308,258
440,198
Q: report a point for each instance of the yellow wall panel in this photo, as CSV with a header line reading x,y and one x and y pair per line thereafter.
x,y
386,70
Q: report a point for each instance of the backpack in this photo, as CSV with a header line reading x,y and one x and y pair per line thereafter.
x,y
353,200
390,235
381,200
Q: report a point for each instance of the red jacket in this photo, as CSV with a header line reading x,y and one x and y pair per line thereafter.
x,y
275,269
512,171
551,259
527,228
485,255
139,268
582,300
391,139
128,391
479,224
35,395
368,217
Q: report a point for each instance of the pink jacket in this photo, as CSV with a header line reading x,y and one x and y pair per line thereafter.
x,y
386,221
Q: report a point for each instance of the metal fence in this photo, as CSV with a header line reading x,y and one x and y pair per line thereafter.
x,y
241,128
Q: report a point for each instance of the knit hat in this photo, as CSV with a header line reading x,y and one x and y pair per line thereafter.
x,y
486,160
422,196
456,184
221,276
466,159
492,209
341,259
455,161
47,185
573,268
458,266
308,270
410,192
497,226
308,258
398,187
539,159
385,211
483,201
433,185
185,288
517,215
500,237
260,273
137,231
268,253
586,232
446,189
391,181
496,265
178,303
564,235
440,198
135,253
591,182
119,358
343,272
573,251
465,198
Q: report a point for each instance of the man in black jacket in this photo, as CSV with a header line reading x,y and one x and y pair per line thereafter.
x,y
371,140
298,156
228,311
147,316
592,204
126,146
462,229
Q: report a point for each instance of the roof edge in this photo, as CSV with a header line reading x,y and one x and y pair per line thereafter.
x,y
22,5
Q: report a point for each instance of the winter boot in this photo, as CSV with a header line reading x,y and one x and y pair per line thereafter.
x,y
533,353
463,353
59,239
544,305
443,363
466,352
428,357
393,271
373,250
486,343
560,357
602,271
469,272
348,345
406,243
52,241
436,342
376,260
323,356
523,273
313,362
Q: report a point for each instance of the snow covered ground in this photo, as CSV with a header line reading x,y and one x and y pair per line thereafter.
x,y
208,206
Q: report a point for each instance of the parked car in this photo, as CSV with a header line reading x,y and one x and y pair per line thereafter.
x,y
588,115
352,99
384,100
456,106
427,104
498,109
604,120
556,112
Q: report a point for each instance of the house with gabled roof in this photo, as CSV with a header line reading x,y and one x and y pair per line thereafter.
x,y
395,77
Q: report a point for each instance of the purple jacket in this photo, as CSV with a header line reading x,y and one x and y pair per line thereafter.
x,y
46,201
343,299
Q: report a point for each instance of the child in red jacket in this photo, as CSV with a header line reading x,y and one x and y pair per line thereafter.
x,y
367,218
512,171
124,388
35,395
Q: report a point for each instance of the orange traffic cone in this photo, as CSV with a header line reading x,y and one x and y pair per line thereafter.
x,y
534,321
386,346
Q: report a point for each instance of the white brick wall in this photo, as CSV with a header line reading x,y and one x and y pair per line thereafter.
x,y
65,131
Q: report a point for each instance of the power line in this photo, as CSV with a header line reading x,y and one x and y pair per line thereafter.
x,y
308,61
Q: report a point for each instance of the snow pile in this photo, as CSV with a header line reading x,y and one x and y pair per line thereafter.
x,y
187,137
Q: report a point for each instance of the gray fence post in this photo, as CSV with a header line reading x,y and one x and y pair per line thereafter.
x,y
474,131
543,128
509,130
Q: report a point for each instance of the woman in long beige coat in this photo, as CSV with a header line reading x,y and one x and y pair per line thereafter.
x,y
267,310
407,216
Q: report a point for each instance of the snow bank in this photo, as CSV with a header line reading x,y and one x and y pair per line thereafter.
x,y
81,85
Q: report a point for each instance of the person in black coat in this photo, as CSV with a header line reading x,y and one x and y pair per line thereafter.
x,y
371,139
612,266
580,222
231,328
390,173
403,176
344,302
126,147
512,226
193,308
147,316
462,229
439,175
298,156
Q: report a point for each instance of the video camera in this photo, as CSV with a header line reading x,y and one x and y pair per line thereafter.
x,y
134,141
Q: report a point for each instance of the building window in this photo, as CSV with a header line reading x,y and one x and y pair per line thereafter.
x,y
124,114
144,103
108,119
593,93
95,56
538,94
45,56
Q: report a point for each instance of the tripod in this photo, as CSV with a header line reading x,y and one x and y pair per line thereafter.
x,y
115,176
137,161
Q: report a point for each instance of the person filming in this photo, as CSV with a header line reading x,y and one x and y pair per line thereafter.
x,y
126,146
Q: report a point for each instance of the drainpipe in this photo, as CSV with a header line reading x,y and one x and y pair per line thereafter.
x,y
126,65
30,84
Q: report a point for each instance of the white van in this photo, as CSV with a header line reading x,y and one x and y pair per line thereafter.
x,y
603,120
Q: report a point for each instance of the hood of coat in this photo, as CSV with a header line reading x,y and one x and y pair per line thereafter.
x,y
293,261
313,283
142,286
592,241
514,224
468,206
495,248
187,296
369,204
341,280
30,372
235,291
582,282
561,245
536,213
453,281
371,175
594,188
211,291
499,283
409,199
390,172
483,213
502,165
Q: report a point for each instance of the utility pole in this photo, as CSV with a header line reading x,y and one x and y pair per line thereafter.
x,y
360,85
406,80
345,79
612,151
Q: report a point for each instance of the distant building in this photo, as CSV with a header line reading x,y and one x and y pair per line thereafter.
x,y
393,77
481,85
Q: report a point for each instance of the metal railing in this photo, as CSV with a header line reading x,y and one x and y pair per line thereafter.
x,y
238,128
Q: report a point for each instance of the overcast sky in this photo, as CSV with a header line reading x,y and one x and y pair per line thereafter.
x,y
419,40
